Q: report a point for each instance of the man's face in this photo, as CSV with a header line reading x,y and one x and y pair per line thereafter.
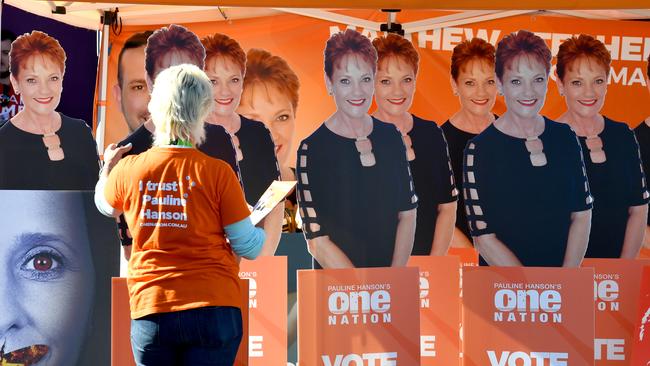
x,y
4,58
133,95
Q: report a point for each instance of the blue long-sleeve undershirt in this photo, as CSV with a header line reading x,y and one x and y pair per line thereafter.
x,y
246,240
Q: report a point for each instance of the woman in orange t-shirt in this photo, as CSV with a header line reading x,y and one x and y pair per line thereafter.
x,y
180,204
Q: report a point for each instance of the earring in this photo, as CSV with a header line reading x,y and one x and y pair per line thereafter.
x,y
455,92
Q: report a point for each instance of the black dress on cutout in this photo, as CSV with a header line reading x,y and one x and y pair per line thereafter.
x,y
259,167
433,179
616,184
528,208
356,206
457,139
24,163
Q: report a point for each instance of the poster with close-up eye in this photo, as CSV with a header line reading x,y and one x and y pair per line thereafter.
x,y
58,254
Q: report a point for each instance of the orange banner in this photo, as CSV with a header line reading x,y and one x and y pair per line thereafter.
x,y
644,253
300,41
359,317
528,316
267,307
468,256
616,295
121,354
641,345
439,309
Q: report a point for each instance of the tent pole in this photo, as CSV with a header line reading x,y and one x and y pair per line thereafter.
x,y
103,74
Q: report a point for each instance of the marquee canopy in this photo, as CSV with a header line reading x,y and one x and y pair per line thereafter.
x,y
88,14
399,4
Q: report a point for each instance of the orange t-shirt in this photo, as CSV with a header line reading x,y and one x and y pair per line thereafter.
x,y
176,202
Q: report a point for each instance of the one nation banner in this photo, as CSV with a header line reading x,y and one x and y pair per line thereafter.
x,y
528,316
363,317
439,309
617,284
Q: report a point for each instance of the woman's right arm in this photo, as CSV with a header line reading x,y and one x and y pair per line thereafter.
x,y
320,246
493,250
578,236
327,253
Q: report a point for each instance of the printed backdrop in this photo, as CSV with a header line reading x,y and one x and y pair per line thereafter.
x,y
301,40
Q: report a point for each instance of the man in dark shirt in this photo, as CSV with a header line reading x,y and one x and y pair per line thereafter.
x,y
132,95
9,100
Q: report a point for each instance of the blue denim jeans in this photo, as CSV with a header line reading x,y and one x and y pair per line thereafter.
x,y
198,337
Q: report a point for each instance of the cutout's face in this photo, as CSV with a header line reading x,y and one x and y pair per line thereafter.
x,y
46,274
476,87
394,86
264,102
352,85
227,85
40,82
133,94
524,85
584,87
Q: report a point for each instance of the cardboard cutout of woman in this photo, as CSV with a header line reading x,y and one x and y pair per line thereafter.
x,y
426,148
474,82
39,147
610,151
355,191
527,197
270,95
225,65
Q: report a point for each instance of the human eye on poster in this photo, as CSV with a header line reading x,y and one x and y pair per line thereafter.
x,y
55,288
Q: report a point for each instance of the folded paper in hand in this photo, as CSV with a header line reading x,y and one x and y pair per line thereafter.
x,y
273,195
